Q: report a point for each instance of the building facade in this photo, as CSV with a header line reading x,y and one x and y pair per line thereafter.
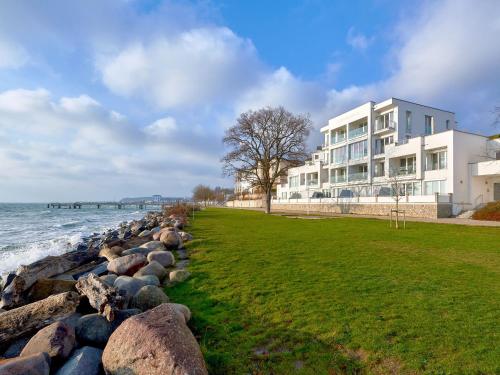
x,y
370,150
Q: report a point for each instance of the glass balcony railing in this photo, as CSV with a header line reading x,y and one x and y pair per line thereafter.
x,y
337,179
339,161
358,176
338,139
357,132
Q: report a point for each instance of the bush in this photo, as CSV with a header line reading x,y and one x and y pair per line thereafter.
x,y
489,212
181,209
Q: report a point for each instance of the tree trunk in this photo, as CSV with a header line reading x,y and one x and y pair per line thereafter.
x,y
268,201
47,267
397,212
102,297
26,319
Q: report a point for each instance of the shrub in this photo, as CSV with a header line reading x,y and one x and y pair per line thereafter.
x,y
489,212
181,209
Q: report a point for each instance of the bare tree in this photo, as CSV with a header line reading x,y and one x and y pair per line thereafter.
x,y
263,145
203,193
396,179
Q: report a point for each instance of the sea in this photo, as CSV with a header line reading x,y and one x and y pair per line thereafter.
x,y
29,232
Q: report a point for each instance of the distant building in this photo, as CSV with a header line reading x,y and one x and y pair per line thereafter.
x,y
158,199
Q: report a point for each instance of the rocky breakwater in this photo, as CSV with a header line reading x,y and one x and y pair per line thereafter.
x,y
101,308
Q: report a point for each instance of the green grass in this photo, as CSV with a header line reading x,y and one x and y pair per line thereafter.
x,y
342,295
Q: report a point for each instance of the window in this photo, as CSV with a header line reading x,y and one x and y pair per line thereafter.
x,y
338,136
302,179
339,155
447,124
436,160
358,130
379,169
384,121
497,155
293,181
283,195
432,187
412,188
429,125
408,165
358,150
316,157
408,122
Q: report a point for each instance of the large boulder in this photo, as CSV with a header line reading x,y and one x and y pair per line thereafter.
x,y
153,245
178,276
182,310
35,364
153,268
127,265
171,239
93,329
47,287
155,342
111,253
148,297
123,315
84,361
149,279
57,340
165,258
128,286
137,250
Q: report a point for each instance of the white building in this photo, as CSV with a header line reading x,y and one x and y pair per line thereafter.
x,y
366,147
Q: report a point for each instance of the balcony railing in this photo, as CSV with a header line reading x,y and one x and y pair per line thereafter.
x,y
312,183
358,176
337,179
379,150
357,132
381,125
338,139
339,161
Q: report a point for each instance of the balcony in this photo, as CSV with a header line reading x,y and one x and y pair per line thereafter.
x,y
337,179
312,183
360,176
358,132
339,161
382,126
338,139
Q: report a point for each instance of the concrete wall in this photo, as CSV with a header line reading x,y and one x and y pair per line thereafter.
x,y
426,210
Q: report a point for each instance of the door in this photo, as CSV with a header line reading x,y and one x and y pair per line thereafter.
x,y
496,191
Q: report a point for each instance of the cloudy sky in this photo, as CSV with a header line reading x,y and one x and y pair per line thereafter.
x,y
105,99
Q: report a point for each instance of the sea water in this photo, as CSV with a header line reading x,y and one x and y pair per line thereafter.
x,y
29,232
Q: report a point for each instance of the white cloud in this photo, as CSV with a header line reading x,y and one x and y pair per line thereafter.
x,y
192,68
357,40
12,55
162,127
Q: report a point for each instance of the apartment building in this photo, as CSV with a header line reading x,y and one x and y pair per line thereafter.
x,y
367,149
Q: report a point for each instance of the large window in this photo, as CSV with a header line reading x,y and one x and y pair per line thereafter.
x,y
381,143
436,160
408,122
302,179
293,181
358,130
379,169
358,150
338,136
429,125
412,188
432,187
407,165
384,121
339,155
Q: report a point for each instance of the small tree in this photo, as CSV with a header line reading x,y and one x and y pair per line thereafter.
x,y
263,145
396,181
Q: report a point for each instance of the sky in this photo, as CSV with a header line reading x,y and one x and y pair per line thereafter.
x,y
105,99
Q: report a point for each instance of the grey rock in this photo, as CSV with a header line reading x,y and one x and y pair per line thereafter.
x,y
182,254
16,347
109,279
149,297
145,233
35,364
183,310
165,258
179,275
93,329
149,279
129,285
64,277
99,270
123,315
154,245
84,361
153,268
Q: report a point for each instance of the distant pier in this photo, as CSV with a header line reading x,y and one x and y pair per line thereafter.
x,y
119,205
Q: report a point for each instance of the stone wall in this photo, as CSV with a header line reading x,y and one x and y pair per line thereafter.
x,y
425,210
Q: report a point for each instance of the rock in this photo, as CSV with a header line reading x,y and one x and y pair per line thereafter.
x,y
99,270
64,277
153,268
109,279
183,310
149,279
154,246
136,250
123,315
170,239
127,265
93,329
44,288
57,340
155,342
84,269
111,253
72,320
155,230
165,258
129,286
178,275
84,361
16,347
36,364
148,297
185,236
2,311
145,233
182,254
182,264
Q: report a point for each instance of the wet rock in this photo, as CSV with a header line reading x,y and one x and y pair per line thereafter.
x,y
84,361
155,342
57,340
178,275
154,246
149,279
153,268
93,330
36,364
149,297
127,265
165,258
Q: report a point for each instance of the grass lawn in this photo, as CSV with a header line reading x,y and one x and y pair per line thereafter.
x,y
276,295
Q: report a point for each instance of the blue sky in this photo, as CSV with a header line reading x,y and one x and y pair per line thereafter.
x,y
103,99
